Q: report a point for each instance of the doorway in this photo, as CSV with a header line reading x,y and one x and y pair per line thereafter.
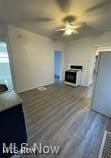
x,y
57,65
5,71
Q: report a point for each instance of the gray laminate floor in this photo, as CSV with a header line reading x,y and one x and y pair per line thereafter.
x,y
61,116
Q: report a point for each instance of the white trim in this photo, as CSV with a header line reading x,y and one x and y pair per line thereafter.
x,y
103,49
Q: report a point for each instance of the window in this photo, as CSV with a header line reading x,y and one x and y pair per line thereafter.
x,y
3,53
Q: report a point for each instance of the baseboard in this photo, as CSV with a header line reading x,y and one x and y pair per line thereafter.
x,y
29,89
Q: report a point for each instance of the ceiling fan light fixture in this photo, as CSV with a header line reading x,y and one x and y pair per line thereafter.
x,y
70,28
68,31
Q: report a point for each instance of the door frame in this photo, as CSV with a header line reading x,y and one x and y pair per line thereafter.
x,y
103,49
61,64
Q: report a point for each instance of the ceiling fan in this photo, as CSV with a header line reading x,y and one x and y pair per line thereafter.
x,y
70,27
71,24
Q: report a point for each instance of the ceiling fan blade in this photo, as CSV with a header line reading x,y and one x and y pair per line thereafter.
x,y
30,20
64,5
42,19
75,32
77,26
101,5
64,34
61,29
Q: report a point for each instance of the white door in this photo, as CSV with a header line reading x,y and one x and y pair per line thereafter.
x,y
102,93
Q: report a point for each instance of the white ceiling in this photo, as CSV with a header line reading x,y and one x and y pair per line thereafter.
x,y
45,16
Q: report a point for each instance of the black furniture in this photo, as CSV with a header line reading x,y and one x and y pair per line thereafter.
x,y
12,123
3,88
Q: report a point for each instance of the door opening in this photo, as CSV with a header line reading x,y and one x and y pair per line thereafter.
x,y
57,65
5,71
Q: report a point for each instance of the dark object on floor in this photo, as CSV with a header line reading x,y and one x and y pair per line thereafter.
x,y
12,128
3,88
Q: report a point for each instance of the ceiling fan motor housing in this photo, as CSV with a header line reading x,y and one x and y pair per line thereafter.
x,y
69,19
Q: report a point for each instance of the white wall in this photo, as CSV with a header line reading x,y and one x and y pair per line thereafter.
x,y
3,31
33,58
83,51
